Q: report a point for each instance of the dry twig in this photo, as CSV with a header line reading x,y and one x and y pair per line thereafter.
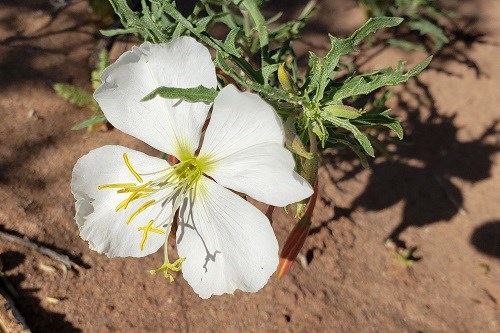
x,y
25,241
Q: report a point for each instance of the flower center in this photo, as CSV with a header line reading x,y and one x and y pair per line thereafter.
x,y
168,186
188,171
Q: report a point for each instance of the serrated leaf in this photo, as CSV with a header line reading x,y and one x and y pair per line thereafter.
x,y
271,93
320,131
89,122
268,70
74,94
198,94
322,68
405,44
372,25
358,135
381,119
426,27
260,24
353,145
366,83
230,42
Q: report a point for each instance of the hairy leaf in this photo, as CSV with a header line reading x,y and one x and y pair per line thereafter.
x,y
198,94
89,122
322,68
366,83
381,119
358,135
74,94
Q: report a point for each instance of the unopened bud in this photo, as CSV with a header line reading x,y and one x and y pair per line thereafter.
x,y
285,79
342,111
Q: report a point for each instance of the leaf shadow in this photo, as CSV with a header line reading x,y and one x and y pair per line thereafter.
x,y
432,158
486,238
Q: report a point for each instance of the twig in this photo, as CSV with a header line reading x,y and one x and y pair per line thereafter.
x,y
15,313
64,259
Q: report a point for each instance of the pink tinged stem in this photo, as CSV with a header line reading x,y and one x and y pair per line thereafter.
x,y
269,213
172,159
297,236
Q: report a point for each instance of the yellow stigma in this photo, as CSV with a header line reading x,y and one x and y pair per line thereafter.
x,y
148,228
175,266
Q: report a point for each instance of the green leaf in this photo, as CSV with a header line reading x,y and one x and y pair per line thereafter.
x,y
260,23
373,25
366,83
405,44
269,70
354,145
322,68
230,42
269,92
89,122
358,135
381,119
74,94
425,27
114,32
198,94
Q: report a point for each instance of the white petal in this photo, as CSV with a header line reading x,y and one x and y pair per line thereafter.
x,y
228,243
244,139
105,229
162,123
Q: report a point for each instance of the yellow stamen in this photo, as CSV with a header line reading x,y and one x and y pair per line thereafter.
x,y
137,189
118,185
148,228
140,209
175,266
133,196
132,170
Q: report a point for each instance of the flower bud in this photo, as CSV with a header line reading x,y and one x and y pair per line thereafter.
x,y
285,79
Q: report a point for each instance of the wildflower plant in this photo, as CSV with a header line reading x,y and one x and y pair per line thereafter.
x,y
223,122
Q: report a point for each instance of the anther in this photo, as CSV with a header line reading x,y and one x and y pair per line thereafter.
x,y
140,209
132,170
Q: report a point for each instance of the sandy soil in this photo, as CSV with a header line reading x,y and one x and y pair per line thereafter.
x,y
440,196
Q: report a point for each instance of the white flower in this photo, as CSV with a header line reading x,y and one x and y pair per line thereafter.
x,y
126,200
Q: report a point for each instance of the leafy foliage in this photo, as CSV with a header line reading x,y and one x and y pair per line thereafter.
x,y
420,16
310,103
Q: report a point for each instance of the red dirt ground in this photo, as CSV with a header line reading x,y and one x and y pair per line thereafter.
x,y
441,195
